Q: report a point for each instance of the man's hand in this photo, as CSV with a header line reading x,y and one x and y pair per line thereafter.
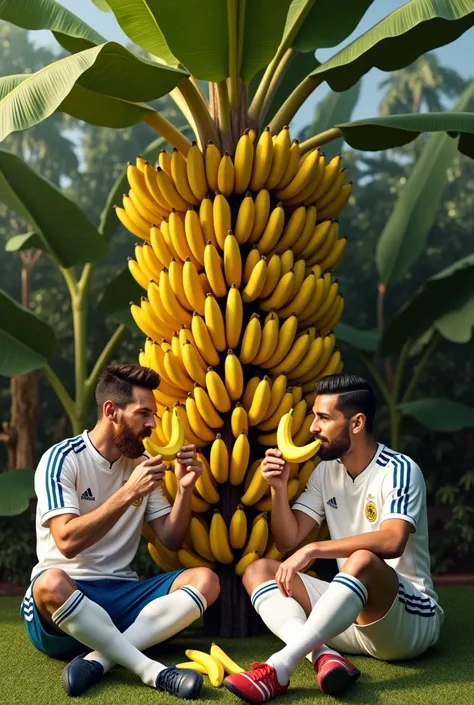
x,y
187,468
274,469
286,572
146,477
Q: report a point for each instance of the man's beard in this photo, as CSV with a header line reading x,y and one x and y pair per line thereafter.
x,y
129,443
337,447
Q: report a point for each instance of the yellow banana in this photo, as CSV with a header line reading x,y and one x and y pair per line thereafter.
x,y
205,484
177,374
277,392
273,275
258,538
180,178
293,230
330,323
291,452
330,175
311,309
203,340
193,666
256,282
239,421
286,337
333,191
194,234
233,317
136,229
281,154
174,444
243,161
332,365
215,323
272,552
225,175
170,300
213,267
233,374
252,260
196,172
292,165
158,558
250,474
232,261
206,408
217,391
189,559
200,539
242,565
317,239
168,189
250,340
206,218
333,209
287,261
164,161
175,273
245,219
334,257
149,215
260,402
262,162
239,459
139,255
192,287
212,160
219,538
269,339
262,211
299,269
197,424
221,218
273,230
214,668
249,392
219,460
137,273
305,473
305,174
302,298
136,179
271,423
281,294
326,247
299,415
135,216
229,665
294,356
238,528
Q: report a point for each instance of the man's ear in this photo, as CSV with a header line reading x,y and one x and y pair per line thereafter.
x,y
358,423
109,411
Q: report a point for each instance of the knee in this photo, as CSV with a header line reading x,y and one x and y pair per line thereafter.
x,y
259,572
53,587
207,582
361,563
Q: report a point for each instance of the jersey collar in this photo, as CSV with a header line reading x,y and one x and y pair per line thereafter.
x,y
364,473
102,462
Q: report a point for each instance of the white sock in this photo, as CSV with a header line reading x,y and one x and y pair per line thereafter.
x,y
159,620
284,616
334,612
90,624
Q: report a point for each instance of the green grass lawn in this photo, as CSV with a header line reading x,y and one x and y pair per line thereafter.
x,y
444,676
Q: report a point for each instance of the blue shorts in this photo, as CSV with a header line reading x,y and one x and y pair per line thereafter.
x,y
121,599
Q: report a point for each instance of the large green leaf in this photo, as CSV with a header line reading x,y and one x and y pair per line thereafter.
x,y
439,414
138,19
116,298
264,26
109,68
404,236
333,109
63,228
83,104
396,41
379,133
327,23
17,487
28,241
457,326
364,340
102,5
446,291
26,342
196,33
70,31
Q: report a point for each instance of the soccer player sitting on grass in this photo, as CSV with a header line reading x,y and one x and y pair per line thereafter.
x,y
381,603
94,493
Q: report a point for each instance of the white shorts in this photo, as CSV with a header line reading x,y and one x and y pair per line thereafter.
x,y
411,625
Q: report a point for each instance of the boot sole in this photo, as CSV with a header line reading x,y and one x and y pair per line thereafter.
x,y
337,680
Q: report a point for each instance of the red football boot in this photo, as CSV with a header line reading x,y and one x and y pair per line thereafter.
x,y
334,673
257,685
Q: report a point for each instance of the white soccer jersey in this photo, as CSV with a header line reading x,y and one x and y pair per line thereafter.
x,y
391,487
74,478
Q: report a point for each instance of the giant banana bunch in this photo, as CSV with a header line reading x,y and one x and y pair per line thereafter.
x,y
236,256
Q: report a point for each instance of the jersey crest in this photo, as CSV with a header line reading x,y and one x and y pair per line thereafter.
x,y
370,509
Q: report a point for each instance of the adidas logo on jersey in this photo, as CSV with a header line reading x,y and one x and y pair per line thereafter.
x,y
332,502
88,495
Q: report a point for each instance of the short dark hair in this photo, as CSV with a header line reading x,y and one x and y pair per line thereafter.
x,y
117,381
355,396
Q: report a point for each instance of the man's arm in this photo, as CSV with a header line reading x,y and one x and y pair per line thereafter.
x,y
73,534
388,542
171,529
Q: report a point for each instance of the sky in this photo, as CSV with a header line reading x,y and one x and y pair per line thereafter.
x,y
458,55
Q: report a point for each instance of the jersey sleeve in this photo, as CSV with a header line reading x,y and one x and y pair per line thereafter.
x,y
55,484
404,491
157,505
311,500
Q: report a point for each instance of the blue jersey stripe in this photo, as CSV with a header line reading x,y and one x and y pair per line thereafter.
x,y
54,467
